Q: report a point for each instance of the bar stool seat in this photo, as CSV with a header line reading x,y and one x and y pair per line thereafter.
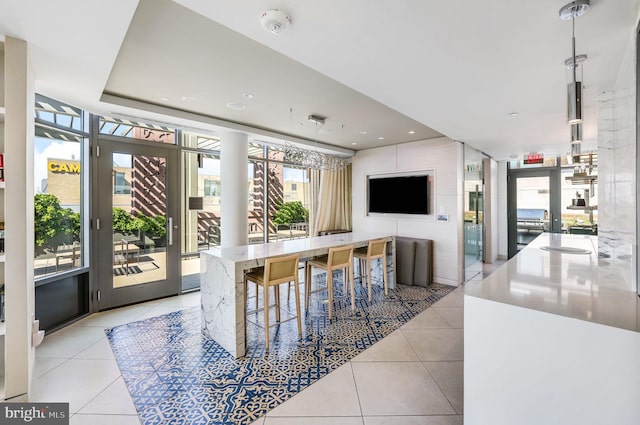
x,y
376,249
276,271
338,258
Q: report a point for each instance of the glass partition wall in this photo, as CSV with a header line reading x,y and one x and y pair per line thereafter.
x,y
473,212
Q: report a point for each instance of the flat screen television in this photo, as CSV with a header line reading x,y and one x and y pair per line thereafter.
x,y
398,194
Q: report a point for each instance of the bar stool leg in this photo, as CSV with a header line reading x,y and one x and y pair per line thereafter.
x,y
369,280
297,295
353,289
307,285
265,291
277,291
330,290
384,275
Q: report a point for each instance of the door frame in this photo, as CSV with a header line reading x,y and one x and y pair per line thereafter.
x,y
555,194
106,296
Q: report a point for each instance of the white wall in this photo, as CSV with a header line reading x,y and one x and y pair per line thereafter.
x,y
443,157
617,170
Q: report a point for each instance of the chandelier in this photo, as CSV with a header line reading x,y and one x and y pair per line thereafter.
x,y
312,158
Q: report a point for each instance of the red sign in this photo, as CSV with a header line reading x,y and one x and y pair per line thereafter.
x,y
533,158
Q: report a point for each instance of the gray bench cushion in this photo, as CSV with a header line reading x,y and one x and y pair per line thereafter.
x,y
414,258
406,251
423,270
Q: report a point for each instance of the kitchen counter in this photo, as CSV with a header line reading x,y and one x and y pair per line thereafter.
x,y
567,284
552,337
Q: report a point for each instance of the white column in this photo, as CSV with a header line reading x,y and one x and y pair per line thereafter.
x,y
234,196
19,286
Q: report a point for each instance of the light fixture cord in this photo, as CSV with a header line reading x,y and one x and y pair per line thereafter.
x,y
573,46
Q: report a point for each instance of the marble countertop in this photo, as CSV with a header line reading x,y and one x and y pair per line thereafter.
x,y
573,284
245,253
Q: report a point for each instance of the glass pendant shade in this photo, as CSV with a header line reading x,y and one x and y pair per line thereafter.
x,y
574,102
576,133
575,152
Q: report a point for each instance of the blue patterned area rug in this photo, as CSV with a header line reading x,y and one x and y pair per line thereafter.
x,y
176,375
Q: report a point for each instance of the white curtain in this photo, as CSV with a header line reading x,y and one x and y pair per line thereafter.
x,y
333,207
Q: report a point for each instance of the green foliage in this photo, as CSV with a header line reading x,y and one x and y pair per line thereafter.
x,y
126,223
54,225
290,212
154,225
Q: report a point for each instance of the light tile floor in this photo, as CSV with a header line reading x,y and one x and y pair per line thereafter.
x,y
414,376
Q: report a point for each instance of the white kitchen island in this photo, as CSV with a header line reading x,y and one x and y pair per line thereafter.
x,y
552,337
222,279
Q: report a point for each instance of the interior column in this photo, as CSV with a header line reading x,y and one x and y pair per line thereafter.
x,y
234,190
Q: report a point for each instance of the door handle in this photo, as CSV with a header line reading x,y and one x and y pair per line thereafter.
x,y
170,231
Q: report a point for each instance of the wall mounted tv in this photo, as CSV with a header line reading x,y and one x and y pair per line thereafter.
x,y
406,194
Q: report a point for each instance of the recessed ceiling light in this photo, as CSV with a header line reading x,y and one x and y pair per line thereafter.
x,y
354,143
164,99
300,124
236,105
363,132
412,132
380,138
247,96
513,114
187,98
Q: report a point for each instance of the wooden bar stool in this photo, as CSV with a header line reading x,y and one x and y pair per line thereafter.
x,y
338,258
276,271
377,248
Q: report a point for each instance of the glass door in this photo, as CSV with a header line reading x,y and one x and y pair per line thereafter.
x,y
138,212
534,206
473,213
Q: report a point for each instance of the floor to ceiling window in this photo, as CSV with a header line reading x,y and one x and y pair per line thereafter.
x,y
58,177
288,201
130,164
61,224
278,201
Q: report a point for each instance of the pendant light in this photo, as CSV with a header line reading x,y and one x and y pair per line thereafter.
x,y
576,133
574,89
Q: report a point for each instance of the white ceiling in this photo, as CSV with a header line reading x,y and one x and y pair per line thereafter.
x,y
456,68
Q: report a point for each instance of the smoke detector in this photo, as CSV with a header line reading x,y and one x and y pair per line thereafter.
x,y
275,21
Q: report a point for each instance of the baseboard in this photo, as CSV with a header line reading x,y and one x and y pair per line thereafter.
x,y
445,281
